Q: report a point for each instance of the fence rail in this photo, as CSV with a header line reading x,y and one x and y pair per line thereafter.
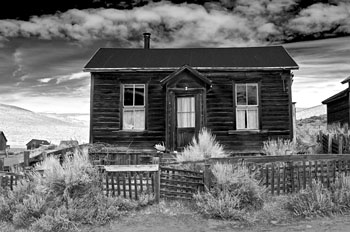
x,y
121,158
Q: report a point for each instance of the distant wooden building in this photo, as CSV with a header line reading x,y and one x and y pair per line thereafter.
x,y
36,143
140,97
338,110
3,142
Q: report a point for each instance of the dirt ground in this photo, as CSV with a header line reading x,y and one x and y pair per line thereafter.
x,y
172,220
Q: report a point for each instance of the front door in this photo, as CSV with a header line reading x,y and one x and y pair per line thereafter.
x,y
185,120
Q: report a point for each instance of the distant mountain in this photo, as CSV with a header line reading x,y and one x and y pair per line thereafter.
x,y
302,113
21,125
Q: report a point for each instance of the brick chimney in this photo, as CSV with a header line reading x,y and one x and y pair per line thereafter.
x,y
146,38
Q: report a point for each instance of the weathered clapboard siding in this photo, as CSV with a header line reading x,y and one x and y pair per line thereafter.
x,y
107,113
219,115
338,111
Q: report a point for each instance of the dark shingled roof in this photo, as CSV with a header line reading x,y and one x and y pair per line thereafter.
x,y
337,96
272,57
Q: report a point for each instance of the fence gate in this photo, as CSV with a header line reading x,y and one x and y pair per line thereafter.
x,y
180,184
130,181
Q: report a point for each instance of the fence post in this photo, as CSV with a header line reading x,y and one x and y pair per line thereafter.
x,y
1,164
157,185
329,143
26,159
155,160
206,175
340,144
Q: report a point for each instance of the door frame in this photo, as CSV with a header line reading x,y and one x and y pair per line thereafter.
x,y
171,112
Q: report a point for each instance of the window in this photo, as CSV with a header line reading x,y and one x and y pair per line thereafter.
x,y
133,107
185,112
247,106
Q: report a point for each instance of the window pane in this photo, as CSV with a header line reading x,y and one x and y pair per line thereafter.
x,y
185,112
240,119
252,119
252,95
139,96
241,94
128,95
128,119
139,119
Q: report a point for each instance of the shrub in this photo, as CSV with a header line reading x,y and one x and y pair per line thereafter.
x,y
314,200
278,147
341,192
236,193
203,147
29,210
54,221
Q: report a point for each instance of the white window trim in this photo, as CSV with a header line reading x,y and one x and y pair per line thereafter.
x,y
133,107
247,107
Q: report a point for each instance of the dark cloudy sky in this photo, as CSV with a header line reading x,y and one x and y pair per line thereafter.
x,y
44,45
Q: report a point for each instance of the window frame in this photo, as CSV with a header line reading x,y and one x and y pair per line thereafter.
x,y
247,107
133,107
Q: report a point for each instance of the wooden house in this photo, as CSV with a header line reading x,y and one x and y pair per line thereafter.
x,y
142,96
338,110
36,143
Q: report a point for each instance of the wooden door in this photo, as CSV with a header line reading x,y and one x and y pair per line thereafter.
x,y
186,117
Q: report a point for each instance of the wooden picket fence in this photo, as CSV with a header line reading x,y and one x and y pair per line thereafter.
x,y
288,174
130,181
9,180
334,143
180,184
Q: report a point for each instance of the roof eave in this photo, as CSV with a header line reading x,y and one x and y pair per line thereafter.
x,y
155,69
333,98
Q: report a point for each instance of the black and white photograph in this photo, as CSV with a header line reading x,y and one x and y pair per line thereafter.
x,y
175,115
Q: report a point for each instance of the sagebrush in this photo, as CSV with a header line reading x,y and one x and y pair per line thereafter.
x,y
66,196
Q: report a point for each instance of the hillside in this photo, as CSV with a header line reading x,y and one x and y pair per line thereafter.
x,y
302,113
21,125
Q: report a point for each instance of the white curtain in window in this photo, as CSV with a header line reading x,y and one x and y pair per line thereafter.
x,y
185,112
252,115
240,119
139,119
128,119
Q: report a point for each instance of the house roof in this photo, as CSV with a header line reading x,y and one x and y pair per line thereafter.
x,y
3,134
346,80
40,141
337,96
236,58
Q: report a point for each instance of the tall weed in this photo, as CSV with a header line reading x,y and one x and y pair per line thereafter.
x,y
279,147
204,147
314,200
235,194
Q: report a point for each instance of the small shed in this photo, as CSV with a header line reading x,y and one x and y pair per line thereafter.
x,y
338,110
36,143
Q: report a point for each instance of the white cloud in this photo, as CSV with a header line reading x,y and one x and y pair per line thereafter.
x,y
74,76
173,25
